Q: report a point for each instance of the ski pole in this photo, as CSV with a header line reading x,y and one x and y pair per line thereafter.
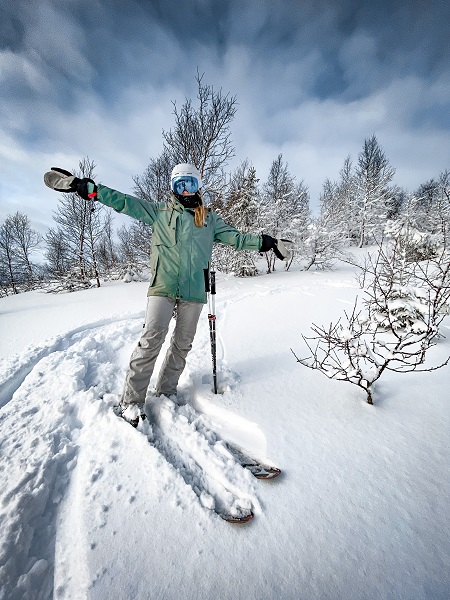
x,y
210,286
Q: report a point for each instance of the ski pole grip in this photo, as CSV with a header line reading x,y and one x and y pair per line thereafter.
x,y
206,274
213,282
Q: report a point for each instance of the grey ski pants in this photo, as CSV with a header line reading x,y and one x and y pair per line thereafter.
x,y
142,361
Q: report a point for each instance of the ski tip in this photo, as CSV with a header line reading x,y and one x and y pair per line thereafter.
x,y
238,520
268,473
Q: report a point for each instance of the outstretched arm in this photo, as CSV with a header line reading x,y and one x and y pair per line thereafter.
x,y
63,181
229,235
226,234
128,205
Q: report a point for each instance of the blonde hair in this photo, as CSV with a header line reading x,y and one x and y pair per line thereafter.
x,y
200,212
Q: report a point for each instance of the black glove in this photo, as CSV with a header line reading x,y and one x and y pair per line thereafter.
x,y
270,243
61,180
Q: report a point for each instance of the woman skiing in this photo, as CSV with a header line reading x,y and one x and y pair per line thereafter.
x,y
184,231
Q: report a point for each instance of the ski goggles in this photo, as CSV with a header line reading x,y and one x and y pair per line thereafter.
x,y
185,182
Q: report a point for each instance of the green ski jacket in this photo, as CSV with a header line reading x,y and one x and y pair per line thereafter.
x,y
181,251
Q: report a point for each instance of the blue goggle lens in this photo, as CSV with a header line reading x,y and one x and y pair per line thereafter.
x,y
185,182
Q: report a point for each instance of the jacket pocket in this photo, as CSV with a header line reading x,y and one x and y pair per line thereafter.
x,y
165,235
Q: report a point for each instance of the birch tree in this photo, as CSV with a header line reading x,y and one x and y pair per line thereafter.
x,y
81,224
201,135
135,242
433,207
154,184
8,260
337,202
59,259
18,242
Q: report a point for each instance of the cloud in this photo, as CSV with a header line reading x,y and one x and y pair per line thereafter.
x,y
97,78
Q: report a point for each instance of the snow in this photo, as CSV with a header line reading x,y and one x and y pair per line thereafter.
x,y
91,508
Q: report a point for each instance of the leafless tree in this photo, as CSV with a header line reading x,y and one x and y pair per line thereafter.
x,y
399,323
135,243
201,135
18,241
81,224
93,221
57,253
154,184
27,241
337,201
414,242
106,247
8,262
432,207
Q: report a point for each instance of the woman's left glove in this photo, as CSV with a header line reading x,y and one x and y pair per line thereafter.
x,y
61,180
270,243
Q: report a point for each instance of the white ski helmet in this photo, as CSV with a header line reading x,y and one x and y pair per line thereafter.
x,y
186,169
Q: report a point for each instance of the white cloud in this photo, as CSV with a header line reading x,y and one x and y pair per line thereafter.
x,y
72,91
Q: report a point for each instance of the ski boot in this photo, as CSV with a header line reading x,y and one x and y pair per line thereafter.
x,y
131,413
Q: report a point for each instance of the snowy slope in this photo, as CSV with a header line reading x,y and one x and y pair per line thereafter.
x,y
90,508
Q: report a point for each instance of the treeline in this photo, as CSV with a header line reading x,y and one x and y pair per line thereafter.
x,y
362,206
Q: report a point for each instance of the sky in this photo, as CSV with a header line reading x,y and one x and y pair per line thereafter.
x,y
312,79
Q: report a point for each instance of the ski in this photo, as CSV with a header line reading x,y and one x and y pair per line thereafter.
x,y
257,469
238,520
167,434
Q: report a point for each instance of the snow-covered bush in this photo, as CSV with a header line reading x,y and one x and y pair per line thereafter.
x,y
74,281
406,309
128,273
402,294
415,245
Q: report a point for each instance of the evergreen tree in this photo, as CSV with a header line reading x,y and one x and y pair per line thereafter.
x,y
241,211
284,206
373,176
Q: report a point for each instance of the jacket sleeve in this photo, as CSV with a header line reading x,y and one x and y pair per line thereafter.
x,y
128,205
229,235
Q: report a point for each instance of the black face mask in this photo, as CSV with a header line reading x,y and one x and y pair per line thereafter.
x,y
189,201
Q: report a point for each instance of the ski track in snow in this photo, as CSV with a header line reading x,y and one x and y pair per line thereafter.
x,y
41,421
57,395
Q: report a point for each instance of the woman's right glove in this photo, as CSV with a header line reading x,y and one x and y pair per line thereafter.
x,y
61,180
